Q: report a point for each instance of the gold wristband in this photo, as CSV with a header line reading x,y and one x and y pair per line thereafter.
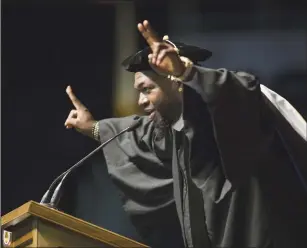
x,y
188,65
95,131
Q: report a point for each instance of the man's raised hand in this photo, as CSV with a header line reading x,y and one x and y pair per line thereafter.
x,y
164,58
79,118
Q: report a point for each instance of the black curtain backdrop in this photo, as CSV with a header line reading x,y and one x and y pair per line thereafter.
x,y
46,47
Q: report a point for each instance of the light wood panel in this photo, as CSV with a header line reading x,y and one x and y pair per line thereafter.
x,y
60,222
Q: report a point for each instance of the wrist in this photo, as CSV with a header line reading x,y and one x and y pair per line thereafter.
x,y
181,70
185,72
95,131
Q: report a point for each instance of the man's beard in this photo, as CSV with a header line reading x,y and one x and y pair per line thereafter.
x,y
164,117
162,125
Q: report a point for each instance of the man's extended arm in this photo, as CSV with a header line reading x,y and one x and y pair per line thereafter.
x,y
241,127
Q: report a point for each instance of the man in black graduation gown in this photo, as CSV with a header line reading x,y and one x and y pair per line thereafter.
x,y
219,154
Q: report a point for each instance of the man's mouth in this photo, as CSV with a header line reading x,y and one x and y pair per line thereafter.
x,y
150,113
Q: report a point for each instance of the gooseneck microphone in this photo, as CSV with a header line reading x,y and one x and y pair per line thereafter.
x,y
55,198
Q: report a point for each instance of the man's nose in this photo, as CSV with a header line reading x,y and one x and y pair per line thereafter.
x,y
143,100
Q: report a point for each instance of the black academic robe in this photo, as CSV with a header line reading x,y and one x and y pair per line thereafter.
x,y
231,172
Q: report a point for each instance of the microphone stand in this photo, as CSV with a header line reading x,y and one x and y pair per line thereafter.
x,y
57,192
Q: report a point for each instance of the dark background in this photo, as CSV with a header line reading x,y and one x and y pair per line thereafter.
x,y
47,46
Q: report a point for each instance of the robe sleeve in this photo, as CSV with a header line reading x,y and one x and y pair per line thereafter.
x,y
292,130
112,126
235,105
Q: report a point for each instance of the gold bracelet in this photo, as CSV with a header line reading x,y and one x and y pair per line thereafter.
x,y
95,131
188,64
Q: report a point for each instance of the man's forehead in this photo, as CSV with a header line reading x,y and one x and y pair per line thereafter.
x,y
138,79
138,74
142,74
142,77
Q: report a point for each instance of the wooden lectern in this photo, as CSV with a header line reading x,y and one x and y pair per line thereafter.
x,y
35,225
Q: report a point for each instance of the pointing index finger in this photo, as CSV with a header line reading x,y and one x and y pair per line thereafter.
x,y
75,101
148,33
